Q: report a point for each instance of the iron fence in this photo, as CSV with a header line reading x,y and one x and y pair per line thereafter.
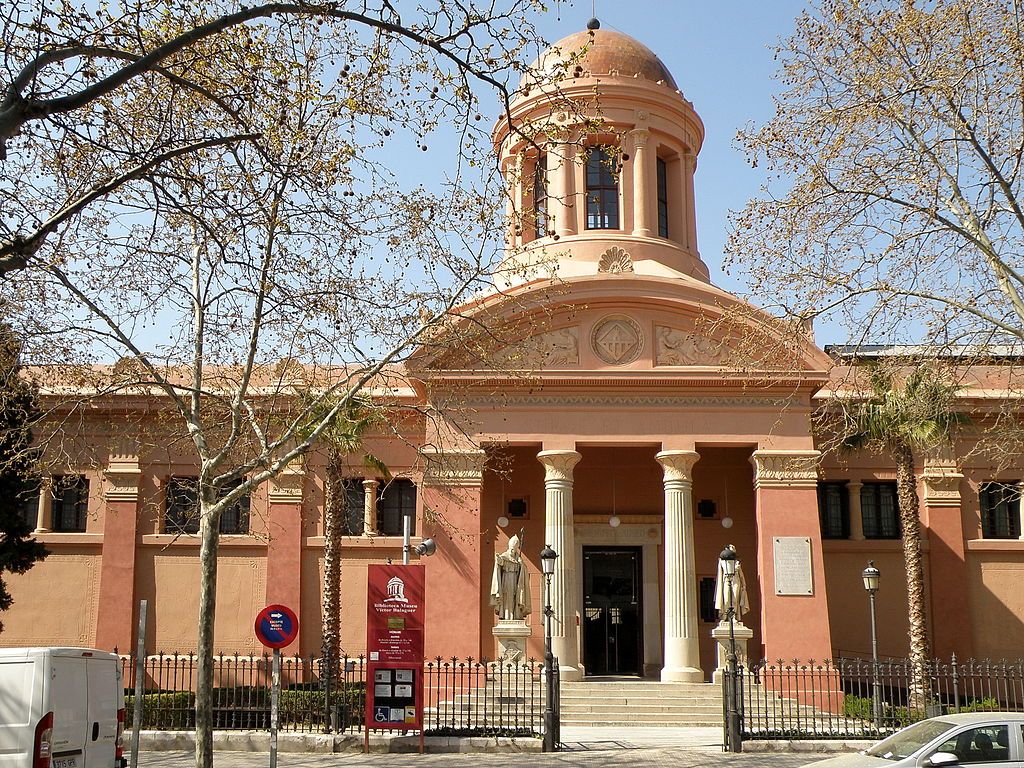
x,y
854,698
461,696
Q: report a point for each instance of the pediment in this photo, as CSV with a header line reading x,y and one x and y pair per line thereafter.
x,y
632,323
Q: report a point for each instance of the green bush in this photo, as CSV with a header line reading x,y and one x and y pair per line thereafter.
x,y
981,705
164,711
859,707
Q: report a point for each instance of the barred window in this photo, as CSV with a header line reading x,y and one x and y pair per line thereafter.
x,y
834,510
1000,510
28,506
70,506
353,512
182,511
397,500
662,198
706,595
880,512
602,189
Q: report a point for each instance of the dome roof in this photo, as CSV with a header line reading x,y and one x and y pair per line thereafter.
x,y
605,51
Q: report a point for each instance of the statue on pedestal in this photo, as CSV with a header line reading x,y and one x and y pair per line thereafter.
x,y
510,584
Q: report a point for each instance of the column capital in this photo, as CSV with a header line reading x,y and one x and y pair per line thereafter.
x,y
286,486
678,465
558,465
123,475
785,469
941,484
639,137
454,468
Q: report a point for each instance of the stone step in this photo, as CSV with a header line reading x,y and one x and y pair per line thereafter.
x,y
629,701
641,710
652,722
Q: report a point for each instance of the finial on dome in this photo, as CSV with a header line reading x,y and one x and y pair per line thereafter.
x,y
594,23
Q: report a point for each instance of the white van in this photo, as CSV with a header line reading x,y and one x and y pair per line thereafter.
x,y
60,708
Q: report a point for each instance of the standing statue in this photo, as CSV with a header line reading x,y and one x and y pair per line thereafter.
x,y
510,584
740,601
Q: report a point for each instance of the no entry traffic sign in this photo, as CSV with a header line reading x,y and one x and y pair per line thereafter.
x,y
276,626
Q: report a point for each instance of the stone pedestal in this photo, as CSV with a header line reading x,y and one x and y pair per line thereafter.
x,y
511,634
742,633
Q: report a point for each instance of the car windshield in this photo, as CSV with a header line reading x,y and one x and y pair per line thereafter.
x,y
906,742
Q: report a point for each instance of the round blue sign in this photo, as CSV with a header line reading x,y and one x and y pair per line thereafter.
x,y
276,626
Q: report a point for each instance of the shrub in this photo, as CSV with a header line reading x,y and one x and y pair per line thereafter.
x,y
164,711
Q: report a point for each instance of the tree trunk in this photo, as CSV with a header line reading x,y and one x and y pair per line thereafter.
x,y
910,524
209,530
334,505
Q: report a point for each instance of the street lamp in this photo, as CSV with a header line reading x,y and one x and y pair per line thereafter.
x,y
871,576
729,562
547,566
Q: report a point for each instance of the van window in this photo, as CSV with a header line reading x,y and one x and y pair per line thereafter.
x,y
17,687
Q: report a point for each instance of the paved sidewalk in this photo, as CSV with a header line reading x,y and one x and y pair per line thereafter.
x,y
630,757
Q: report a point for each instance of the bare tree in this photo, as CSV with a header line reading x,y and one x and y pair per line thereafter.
x,y
207,194
895,168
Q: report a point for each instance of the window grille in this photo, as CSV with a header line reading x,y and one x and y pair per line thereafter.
x,y
1000,510
834,510
70,503
182,512
397,500
879,506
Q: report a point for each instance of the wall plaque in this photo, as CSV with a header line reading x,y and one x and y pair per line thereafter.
x,y
793,565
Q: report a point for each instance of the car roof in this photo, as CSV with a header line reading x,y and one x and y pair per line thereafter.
x,y
968,718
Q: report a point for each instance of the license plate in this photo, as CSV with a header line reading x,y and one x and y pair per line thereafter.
x,y
68,761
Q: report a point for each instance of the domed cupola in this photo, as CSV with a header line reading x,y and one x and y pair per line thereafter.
x,y
600,162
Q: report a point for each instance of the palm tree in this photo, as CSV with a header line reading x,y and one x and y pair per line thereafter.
x,y
907,412
343,439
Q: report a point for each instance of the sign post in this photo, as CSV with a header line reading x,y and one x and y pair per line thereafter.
x,y
276,626
394,646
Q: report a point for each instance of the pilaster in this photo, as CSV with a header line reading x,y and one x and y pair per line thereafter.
x,y
457,575
947,572
370,488
114,625
794,605
284,538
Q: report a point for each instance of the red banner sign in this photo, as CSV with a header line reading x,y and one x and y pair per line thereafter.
x,y
394,647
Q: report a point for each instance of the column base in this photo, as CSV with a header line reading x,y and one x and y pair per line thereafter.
x,y
570,674
682,675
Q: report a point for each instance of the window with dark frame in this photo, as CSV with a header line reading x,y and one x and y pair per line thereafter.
x,y
834,510
602,189
354,513
540,196
1000,510
662,198
28,506
880,511
70,504
397,500
706,593
181,514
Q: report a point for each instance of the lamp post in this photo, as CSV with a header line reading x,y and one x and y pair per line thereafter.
x,y
728,562
547,564
871,576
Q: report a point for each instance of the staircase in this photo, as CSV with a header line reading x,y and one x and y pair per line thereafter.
x,y
625,702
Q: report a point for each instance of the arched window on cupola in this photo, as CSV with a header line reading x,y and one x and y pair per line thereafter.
x,y
602,189
662,197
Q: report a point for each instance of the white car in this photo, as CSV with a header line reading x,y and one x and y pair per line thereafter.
x,y
978,739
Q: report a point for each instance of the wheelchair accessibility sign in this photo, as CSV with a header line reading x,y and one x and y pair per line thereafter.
x,y
381,714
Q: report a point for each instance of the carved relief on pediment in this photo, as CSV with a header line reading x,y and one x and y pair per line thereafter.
x,y
554,349
678,347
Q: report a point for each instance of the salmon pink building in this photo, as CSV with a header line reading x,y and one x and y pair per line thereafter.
x,y
632,431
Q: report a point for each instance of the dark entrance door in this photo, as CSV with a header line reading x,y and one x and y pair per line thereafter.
x,y
612,585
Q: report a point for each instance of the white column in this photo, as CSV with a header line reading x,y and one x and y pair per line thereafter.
x,y
856,518
682,647
562,187
641,182
370,506
558,534
45,506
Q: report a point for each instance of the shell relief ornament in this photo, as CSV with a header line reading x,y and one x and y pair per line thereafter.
x,y
615,261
